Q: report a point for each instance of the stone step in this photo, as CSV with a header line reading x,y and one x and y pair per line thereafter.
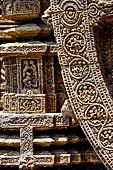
x,y
9,142
43,141
58,140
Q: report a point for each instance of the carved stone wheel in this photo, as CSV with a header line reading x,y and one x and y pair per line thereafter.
x,y
73,23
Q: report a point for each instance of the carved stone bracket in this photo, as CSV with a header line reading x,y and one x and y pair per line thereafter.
x,y
73,23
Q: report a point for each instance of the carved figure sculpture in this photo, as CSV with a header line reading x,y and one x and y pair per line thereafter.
x,y
30,75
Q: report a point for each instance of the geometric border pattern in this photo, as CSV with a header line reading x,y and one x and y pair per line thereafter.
x,y
73,22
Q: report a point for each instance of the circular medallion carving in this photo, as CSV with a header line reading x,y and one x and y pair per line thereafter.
x,y
74,43
106,137
87,93
95,113
79,68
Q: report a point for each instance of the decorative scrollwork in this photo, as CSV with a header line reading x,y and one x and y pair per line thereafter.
x,y
79,68
94,13
93,10
30,104
73,27
86,93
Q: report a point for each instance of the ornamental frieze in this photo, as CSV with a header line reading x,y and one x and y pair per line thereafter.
x,y
21,10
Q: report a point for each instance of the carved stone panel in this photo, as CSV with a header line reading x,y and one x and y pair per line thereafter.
x,y
30,75
10,66
24,103
21,10
73,23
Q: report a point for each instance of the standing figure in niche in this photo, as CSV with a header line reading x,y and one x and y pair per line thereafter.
x,y
30,74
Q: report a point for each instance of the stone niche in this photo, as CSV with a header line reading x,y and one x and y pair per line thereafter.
x,y
19,10
23,74
33,80
24,84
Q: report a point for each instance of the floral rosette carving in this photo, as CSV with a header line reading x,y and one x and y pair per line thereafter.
x,y
86,93
95,113
106,138
79,68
